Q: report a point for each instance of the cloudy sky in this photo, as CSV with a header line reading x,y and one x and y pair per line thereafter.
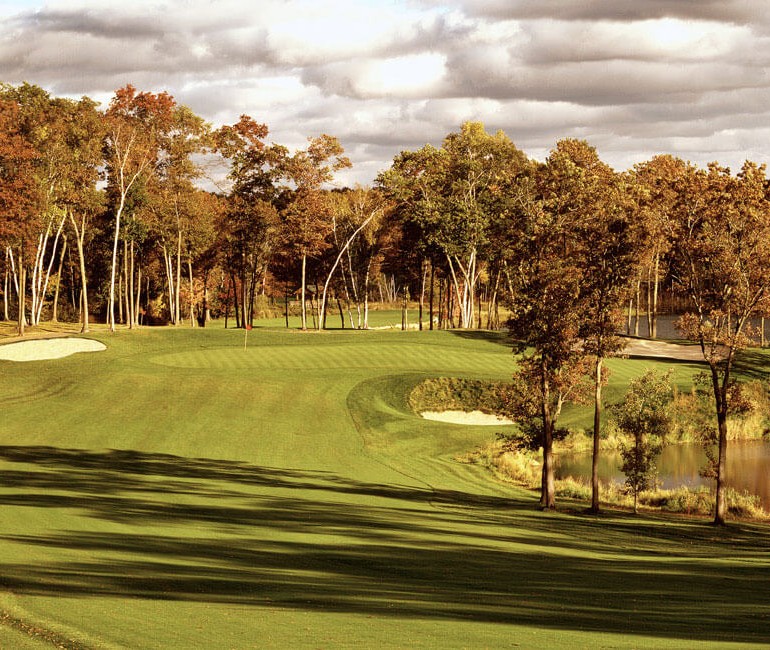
x,y
633,77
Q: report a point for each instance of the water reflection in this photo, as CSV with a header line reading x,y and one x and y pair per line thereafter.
x,y
748,467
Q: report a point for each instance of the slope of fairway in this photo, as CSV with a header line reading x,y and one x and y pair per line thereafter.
x,y
180,491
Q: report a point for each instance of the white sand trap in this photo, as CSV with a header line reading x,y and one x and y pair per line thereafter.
x,y
42,349
464,417
662,349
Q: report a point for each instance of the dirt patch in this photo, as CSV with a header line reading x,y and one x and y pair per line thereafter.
x,y
44,349
465,417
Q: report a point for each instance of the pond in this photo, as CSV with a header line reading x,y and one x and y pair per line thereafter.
x,y
748,467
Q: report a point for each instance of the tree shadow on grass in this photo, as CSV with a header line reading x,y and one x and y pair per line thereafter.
x,y
752,364
318,541
500,337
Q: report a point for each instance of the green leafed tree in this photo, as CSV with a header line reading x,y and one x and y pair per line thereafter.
x,y
644,417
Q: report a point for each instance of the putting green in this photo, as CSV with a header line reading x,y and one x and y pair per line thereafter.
x,y
178,491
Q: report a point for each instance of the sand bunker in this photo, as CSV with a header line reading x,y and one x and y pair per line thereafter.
x,y
42,349
662,349
464,417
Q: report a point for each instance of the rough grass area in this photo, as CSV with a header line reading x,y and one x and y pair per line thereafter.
x,y
457,393
180,491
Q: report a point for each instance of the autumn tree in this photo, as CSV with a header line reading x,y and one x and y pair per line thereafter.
x,y
175,201
79,196
655,187
20,198
307,208
66,137
720,230
136,124
449,192
250,217
544,279
359,231
605,247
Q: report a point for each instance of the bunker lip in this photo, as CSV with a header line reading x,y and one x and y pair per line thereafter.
x,y
45,349
662,349
466,417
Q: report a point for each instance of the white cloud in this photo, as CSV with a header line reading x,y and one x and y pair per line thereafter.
x,y
634,78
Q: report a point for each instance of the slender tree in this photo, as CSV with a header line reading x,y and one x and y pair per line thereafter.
x,y
307,208
655,184
250,219
136,126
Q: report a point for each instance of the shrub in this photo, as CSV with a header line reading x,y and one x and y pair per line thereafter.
x,y
455,393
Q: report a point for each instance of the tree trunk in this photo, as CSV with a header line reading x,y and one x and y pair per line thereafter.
x,y
342,311
322,306
138,303
119,297
177,291
720,509
548,486
79,240
192,294
404,307
424,266
365,324
286,303
55,306
131,288
636,305
440,303
111,304
430,295
630,316
5,288
656,282
227,301
302,298
234,285
169,281
648,293
127,299
22,320
597,436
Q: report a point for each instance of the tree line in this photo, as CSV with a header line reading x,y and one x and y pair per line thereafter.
x,y
105,213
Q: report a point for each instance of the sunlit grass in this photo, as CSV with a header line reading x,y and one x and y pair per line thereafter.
x,y
178,491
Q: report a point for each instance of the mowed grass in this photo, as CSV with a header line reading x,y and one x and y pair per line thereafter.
x,y
180,491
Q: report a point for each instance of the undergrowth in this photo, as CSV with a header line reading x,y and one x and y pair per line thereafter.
x,y
524,467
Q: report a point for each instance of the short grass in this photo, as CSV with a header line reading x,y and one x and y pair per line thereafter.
x,y
180,491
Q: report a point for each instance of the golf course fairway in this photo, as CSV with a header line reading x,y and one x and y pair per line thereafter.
x,y
183,490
